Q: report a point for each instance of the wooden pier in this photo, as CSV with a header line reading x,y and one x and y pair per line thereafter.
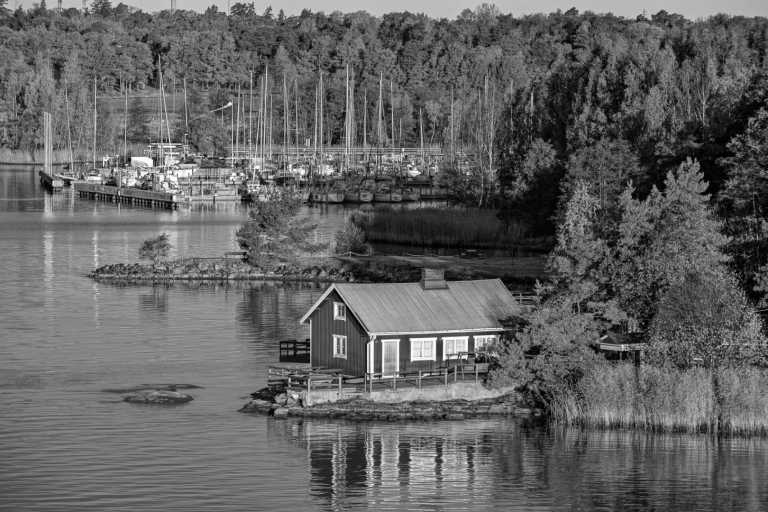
x,y
127,195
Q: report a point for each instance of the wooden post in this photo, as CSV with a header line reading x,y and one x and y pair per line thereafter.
x,y
339,386
446,376
309,389
394,381
419,380
289,383
456,371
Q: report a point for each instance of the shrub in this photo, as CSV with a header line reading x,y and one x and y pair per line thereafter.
x,y
155,249
351,238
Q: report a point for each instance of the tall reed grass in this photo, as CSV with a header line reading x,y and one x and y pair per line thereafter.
x,y
668,399
441,227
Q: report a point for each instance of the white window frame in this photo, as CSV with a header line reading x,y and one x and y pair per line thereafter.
x,y
432,342
339,342
454,339
487,339
339,311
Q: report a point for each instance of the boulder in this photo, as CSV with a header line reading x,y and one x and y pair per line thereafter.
x,y
157,397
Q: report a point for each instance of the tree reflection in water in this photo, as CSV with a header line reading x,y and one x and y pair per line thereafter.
x,y
483,464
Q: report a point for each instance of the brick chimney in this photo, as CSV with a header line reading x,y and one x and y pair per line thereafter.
x,y
433,279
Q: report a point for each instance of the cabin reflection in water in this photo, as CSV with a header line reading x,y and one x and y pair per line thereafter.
x,y
379,462
512,465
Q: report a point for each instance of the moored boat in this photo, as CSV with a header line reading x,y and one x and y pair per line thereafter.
x,y
411,194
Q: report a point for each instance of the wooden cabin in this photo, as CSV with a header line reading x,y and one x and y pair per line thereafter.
x,y
392,329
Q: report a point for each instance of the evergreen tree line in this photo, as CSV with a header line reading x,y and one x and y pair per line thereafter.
x,y
530,105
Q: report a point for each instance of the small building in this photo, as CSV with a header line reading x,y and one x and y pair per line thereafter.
x,y
391,329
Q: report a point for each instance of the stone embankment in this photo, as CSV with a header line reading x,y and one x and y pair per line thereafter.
x,y
361,409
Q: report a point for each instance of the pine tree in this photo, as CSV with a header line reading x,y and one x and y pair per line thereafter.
x,y
664,238
576,260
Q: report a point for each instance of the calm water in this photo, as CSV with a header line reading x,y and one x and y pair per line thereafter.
x,y
66,445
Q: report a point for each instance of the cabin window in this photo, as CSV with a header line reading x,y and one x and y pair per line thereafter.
x,y
339,346
483,342
455,347
423,349
339,311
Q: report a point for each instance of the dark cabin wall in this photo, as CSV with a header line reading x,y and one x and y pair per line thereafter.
x,y
408,366
323,329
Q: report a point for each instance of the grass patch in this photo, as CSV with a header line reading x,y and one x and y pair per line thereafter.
x,y
444,227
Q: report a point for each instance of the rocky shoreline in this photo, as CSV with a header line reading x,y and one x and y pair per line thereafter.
x,y
202,270
230,270
360,409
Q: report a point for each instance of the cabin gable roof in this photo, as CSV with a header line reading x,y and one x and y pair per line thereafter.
x,y
407,308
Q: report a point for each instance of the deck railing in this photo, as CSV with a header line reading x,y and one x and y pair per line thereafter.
x,y
302,377
294,351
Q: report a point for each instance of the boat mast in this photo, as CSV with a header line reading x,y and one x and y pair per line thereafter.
x,y
322,134
125,125
285,124
69,132
237,127
452,153
346,124
250,125
314,135
296,113
365,123
186,109
421,138
392,115
379,122
94,122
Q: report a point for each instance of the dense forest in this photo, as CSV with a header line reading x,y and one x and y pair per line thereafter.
x,y
539,102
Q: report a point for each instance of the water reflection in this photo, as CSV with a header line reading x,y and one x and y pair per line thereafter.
x,y
269,311
488,463
153,305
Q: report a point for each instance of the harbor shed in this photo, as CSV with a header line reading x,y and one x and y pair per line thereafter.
x,y
392,329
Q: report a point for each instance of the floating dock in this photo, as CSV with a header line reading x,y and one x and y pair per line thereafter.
x,y
50,182
127,195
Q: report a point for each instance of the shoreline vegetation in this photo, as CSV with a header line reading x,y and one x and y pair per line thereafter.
x,y
454,227
647,277
727,401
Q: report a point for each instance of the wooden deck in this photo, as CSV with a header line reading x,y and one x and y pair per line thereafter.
x,y
303,377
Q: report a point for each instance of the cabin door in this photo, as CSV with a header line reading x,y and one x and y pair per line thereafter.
x,y
390,357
